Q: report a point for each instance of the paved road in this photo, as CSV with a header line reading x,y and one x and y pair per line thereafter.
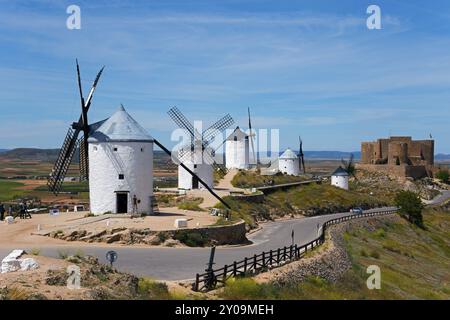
x,y
445,194
183,263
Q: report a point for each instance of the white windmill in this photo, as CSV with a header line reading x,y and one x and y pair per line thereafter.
x,y
198,155
288,163
121,166
237,148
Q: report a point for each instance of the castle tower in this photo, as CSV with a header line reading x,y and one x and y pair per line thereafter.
x,y
120,166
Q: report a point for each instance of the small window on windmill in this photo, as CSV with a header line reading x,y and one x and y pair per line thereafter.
x,y
121,176
142,149
195,166
95,148
115,149
235,138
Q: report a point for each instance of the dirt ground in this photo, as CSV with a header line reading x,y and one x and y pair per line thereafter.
x,y
21,283
25,232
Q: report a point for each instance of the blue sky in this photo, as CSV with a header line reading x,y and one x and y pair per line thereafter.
x,y
305,67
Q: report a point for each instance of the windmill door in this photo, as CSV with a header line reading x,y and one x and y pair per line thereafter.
x,y
194,183
122,202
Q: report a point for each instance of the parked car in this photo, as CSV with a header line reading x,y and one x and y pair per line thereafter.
x,y
357,210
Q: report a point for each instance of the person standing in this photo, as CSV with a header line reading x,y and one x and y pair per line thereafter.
x,y
2,211
135,204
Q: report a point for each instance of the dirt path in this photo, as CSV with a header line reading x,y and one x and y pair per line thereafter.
x,y
225,183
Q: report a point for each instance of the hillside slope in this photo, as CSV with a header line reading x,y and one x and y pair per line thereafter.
x,y
414,263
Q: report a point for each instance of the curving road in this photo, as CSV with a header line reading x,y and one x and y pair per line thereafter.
x,y
183,263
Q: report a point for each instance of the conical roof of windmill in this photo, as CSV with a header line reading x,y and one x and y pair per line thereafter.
x,y
288,154
120,127
340,172
238,133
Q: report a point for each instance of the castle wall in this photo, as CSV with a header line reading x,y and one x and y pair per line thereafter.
x,y
398,150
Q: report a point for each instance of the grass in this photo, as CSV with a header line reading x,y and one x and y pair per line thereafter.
x,y
191,238
322,198
414,264
8,190
191,204
149,289
249,179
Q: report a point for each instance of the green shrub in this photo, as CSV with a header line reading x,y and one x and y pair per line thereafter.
x,y
150,289
63,254
443,175
375,254
239,289
35,251
410,207
191,238
363,253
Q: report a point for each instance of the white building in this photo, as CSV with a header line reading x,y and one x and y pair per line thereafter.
x,y
288,163
201,167
120,166
339,178
237,150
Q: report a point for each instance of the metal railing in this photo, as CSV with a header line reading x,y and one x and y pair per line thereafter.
x,y
266,260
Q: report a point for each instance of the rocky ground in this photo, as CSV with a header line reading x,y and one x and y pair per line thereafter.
x,y
50,281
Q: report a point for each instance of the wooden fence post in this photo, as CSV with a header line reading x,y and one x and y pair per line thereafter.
x,y
197,279
225,271
234,269
245,265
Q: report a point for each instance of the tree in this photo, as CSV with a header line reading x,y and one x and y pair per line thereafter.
x,y
443,175
410,207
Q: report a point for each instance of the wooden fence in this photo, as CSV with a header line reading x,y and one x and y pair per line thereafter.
x,y
270,259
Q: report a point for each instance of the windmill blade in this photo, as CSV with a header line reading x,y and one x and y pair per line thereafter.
x,y
84,160
193,174
220,125
301,155
251,135
180,120
65,156
94,86
80,89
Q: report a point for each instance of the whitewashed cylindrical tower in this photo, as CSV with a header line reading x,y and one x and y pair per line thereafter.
x,y
339,178
120,166
237,150
288,163
195,163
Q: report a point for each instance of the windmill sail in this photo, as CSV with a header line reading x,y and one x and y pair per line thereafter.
x,y
193,174
301,155
71,141
251,136
63,161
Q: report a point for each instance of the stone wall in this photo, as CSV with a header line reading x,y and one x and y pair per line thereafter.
x,y
219,235
400,171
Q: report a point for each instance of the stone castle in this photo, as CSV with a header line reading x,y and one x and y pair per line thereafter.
x,y
399,156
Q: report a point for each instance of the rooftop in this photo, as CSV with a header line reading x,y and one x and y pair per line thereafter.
x,y
120,127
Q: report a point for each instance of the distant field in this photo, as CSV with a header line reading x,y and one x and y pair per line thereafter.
x,y
8,190
13,168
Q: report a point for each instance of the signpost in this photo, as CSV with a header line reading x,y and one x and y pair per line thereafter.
x,y
111,257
